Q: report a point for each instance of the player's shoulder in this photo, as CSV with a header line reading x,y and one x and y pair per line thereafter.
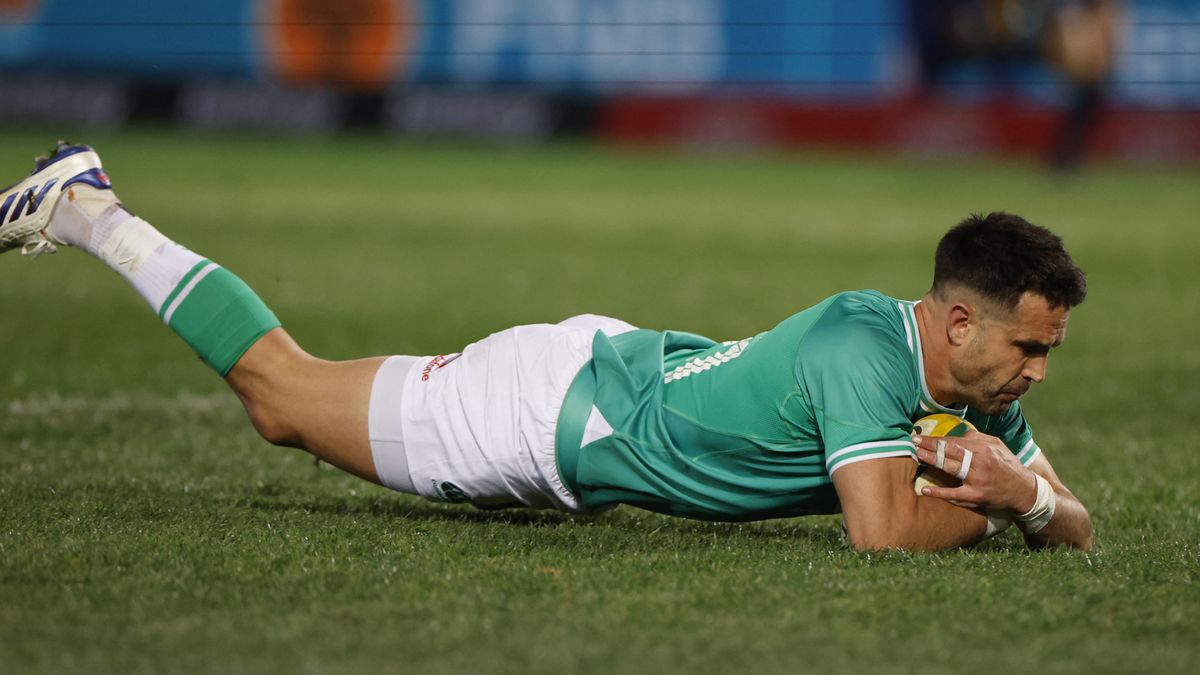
x,y
865,301
862,319
859,329
856,356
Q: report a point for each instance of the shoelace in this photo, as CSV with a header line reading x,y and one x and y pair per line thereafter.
x,y
38,246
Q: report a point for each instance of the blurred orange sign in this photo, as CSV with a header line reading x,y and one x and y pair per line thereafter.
x,y
17,9
356,44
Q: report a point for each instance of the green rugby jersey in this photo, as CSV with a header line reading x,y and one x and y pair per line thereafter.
x,y
677,423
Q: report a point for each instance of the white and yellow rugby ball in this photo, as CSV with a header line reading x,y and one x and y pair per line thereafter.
x,y
939,424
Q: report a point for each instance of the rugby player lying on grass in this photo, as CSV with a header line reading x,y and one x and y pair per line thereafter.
x,y
811,417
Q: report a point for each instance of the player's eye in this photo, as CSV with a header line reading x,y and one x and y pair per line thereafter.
x,y
1033,349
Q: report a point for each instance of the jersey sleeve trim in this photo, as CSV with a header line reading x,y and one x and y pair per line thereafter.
x,y
1028,453
863,451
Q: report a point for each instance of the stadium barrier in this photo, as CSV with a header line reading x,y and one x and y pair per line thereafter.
x,y
920,126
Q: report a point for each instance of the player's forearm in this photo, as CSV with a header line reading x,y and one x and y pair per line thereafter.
x,y
883,512
924,524
938,525
1071,525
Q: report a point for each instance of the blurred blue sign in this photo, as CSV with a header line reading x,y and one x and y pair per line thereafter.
x,y
601,46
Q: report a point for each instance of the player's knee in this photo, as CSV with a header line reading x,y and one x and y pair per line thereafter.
x,y
272,426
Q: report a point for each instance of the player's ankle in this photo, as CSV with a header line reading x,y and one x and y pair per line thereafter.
x,y
85,218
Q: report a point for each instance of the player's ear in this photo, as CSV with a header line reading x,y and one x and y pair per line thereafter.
x,y
961,320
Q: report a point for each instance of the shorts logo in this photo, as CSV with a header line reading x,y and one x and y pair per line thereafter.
x,y
450,492
439,361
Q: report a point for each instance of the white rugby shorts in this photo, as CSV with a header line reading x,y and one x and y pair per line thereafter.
x,y
479,426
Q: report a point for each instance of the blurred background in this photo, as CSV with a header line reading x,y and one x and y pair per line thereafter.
x,y
1063,81
798,148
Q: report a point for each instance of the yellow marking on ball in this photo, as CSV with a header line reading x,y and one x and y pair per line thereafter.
x,y
938,425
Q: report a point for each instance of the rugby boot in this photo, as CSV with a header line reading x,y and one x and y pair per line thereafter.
x,y
26,207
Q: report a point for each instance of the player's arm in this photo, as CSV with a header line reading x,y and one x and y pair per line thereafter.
x,y
882,511
857,375
1071,524
997,480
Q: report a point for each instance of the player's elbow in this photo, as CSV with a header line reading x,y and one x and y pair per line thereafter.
x,y
870,544
878,535
1087,536
897,529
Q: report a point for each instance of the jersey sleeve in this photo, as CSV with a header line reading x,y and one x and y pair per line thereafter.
x,y
1012,428
858,379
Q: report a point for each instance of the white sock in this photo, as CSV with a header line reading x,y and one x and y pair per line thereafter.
x,y
93,221
214,311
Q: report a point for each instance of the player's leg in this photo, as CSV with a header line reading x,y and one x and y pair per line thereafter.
x,y
297,400
292,398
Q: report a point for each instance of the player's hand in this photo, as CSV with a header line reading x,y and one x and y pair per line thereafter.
x,y
994,478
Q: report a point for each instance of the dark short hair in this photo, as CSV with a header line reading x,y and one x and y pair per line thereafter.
x,y
1002,256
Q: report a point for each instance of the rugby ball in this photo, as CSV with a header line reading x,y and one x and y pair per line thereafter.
x,y
939,424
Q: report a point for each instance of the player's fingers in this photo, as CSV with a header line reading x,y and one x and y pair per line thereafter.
x,y
964,467
962,495
927,457
953,449
960,469
924,456
930,458
944,448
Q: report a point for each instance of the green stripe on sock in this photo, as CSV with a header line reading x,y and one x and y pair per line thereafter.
x,y
181,285
221,318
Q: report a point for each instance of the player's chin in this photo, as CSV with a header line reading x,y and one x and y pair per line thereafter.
x,y
998,405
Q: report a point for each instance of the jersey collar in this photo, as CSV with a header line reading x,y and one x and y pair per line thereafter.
x,y
908,316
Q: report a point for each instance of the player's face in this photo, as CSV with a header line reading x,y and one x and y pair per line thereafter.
x,y
1008,353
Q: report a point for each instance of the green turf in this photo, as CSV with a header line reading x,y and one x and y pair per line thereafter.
x,y
144,528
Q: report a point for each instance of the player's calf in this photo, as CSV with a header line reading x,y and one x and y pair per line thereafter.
x,y
258,380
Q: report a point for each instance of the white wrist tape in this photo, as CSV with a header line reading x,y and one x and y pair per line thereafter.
x,y
997,522
1037,517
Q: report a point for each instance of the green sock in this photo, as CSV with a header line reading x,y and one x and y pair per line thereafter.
x,y
217,314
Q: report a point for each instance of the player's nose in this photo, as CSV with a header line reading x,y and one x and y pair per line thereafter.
x,y
1035,369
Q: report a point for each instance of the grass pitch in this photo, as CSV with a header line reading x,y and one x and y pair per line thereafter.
x,y
145,528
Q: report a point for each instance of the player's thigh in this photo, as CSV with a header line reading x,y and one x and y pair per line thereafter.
x,y
480,426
